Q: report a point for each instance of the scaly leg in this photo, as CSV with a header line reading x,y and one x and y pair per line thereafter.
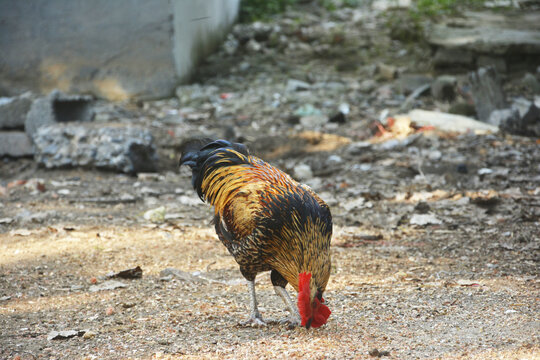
x,y
255,318
294,319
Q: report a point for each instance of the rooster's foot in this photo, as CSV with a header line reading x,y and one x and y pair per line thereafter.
x,y
254,321
290,321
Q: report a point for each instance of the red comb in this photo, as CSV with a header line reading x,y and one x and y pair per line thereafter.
x,y
304,305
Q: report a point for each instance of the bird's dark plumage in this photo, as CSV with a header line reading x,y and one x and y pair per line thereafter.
x,y
266,220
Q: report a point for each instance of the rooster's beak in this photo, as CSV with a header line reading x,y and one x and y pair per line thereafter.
x,y
308,324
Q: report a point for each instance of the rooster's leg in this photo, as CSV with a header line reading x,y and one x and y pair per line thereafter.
x,y
279,283
255,317
294,319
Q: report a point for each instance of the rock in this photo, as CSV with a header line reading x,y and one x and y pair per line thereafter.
x,y
107,285
525,120
168,273
307,110
15,144
156,215
530,82
424,219
230,45
313,121
66,334
58,107
13,111
89,334
487,92
387,72
501,117
297,85
127,149
303,172
367,85
453,58
195,93
449,122
252,46
444,88
134,273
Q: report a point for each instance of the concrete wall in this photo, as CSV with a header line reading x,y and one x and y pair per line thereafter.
x,y
115,49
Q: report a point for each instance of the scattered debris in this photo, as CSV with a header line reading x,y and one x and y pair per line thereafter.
x,y
66,334
134,273
449,122
156,215
424,219
169,273
376,353
107,285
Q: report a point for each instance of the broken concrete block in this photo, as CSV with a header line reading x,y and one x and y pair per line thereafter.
x,y
487,92
13,111
126,149
15,144
58,107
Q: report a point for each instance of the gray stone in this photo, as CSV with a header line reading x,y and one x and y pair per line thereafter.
x,y
58,107
15,144
66,334
531,82
527,121
444,88
453,58
502,117
303,172
367,85
487,92
107,285
297,85
126,149
252,46
13,111
387,72
313,121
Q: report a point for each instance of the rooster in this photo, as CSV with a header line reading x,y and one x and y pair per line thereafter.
x,y
268,222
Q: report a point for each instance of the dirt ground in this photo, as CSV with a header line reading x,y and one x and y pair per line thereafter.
x,y
466,287
435,251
